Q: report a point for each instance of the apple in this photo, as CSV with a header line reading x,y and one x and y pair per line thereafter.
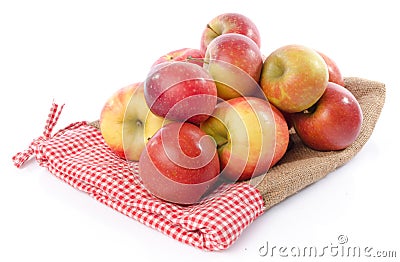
x,y
235,63
191,55
180,91
126,122
294,77
333,123
281,135
179,164
229,23
244,131
335,75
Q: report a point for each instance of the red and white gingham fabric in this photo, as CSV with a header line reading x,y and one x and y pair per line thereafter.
x,y
78,155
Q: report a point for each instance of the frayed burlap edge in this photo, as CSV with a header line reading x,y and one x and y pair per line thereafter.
x,y
302,166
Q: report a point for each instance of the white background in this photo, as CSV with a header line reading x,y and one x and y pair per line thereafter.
x,y
80,52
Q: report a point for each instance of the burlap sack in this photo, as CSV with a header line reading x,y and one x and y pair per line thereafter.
x,y
302,166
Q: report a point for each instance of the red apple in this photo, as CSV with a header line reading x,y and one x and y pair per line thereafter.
x,y
180,91
335,75
281,135
294,77
229,23
191,55
244,131
235,62
333,123
179,164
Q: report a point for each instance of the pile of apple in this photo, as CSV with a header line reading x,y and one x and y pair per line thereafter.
x,y
222,111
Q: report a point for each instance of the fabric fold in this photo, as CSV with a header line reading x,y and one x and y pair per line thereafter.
x,y
78,155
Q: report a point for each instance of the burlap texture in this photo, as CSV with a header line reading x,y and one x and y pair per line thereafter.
x,y
302,166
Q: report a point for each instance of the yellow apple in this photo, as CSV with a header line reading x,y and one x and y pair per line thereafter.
x,y
244,131
126,122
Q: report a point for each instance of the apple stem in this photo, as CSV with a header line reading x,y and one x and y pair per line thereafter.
x,y
209,27
190,58
221,144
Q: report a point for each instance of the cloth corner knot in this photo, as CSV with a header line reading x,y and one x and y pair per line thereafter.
x,y
20,158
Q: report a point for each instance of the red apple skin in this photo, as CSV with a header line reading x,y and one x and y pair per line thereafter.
x,y
334,124
190,55
240,53
281,135
180,91
335,75
229,23
179,164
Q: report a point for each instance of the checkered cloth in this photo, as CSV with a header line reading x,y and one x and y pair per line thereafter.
x,y
78,155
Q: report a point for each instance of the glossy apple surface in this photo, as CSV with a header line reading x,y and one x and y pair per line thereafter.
x,y
126,122
294,77
179,164
244,131
180,91
231,59
335,75
229,23
333,123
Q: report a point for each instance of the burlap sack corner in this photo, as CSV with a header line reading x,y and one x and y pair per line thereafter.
x,y
302,166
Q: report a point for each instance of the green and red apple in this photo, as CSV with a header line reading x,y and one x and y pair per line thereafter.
x,y
229,23
244,131
126,122
294,77
235,62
